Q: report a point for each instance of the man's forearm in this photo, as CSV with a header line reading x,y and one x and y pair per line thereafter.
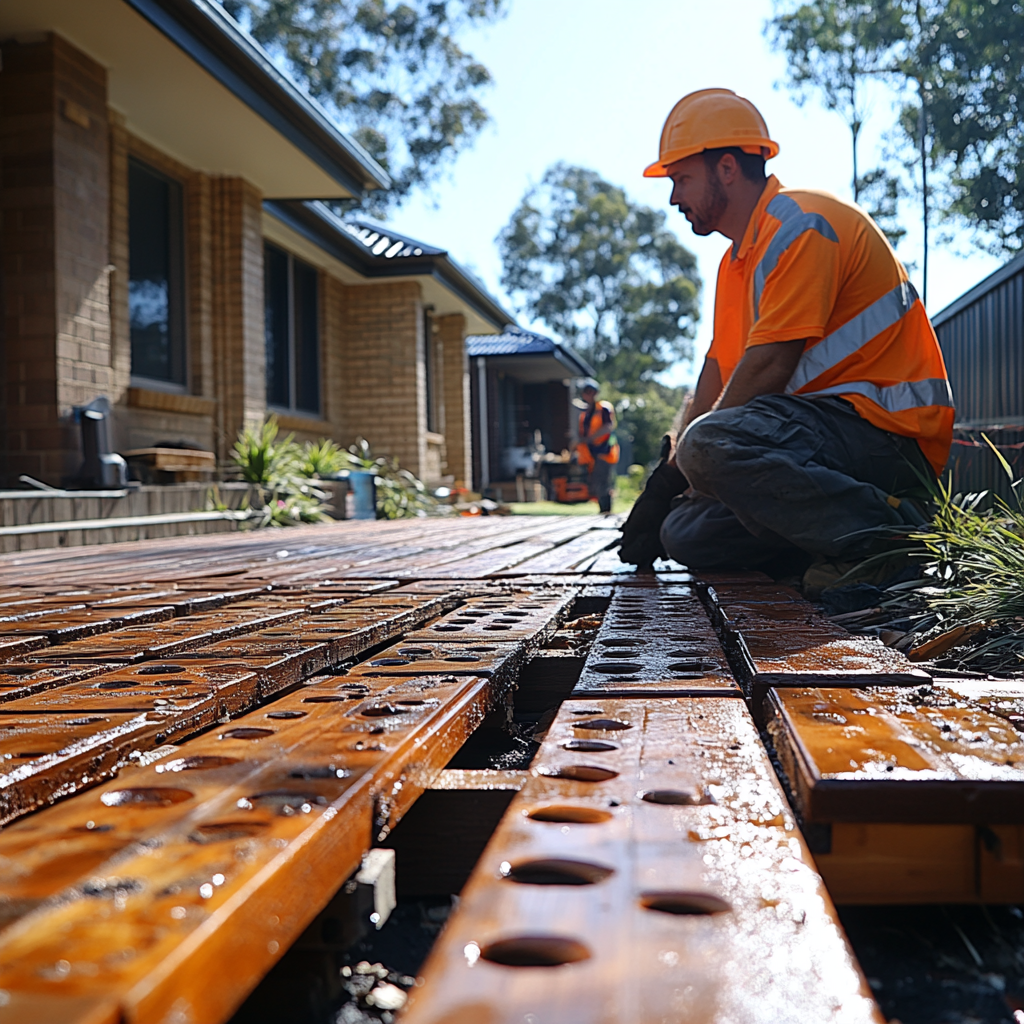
x,y
709,387
763,370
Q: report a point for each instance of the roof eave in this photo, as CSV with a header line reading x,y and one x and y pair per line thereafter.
x,y
214,41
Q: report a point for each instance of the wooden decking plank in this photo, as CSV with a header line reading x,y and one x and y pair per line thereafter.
x,y
504,558
45,868
23,680
62,627
241,556
408,552
498,660
22,644
782,640
169,638
566,557
529,615
591,875
238,910
916,794
55,755
188,692
463,560
656,641
933,754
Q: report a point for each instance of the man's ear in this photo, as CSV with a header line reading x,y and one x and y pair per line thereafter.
x,y
727,169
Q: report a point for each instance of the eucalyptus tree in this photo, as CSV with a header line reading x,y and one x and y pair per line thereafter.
x,y
957,71
604,273
392,73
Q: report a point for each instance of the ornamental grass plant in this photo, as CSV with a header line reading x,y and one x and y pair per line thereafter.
x,y
963,607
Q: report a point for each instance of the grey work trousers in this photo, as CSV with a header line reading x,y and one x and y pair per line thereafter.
x,y
785,475
599,483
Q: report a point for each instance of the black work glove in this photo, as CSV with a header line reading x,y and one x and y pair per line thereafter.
x,y
641,540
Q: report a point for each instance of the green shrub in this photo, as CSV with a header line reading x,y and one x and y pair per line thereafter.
x,y
282,491
262,459
322,459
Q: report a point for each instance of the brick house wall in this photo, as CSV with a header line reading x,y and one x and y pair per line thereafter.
x,y
454,366
54,188
383,386
239,352
64,273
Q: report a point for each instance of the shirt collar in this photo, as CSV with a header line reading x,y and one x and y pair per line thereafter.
x,y
771,190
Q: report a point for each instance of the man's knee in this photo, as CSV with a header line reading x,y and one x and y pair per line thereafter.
x,y
702,450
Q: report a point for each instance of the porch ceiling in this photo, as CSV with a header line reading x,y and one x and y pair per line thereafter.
x,y
246,120
531,369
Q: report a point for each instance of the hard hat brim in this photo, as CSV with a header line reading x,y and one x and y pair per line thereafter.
x,y
659,169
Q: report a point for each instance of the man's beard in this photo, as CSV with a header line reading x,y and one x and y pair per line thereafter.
x,y
706,215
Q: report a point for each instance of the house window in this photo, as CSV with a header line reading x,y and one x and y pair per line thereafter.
x,y
156,272
293,332
430,370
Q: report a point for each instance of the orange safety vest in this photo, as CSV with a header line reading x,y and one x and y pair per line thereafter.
x,y
602,418
812,266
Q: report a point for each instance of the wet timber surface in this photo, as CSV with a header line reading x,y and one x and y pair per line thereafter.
x,y
477,770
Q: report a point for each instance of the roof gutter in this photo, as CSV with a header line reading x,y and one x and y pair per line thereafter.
x,y
215,42
304,219
982,288
573,362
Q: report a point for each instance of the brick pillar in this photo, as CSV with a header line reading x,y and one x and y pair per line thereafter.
x,y
120,328
54,194
451,339
238,316
383,376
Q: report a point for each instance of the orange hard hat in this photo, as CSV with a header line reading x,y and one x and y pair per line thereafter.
x,y
711,119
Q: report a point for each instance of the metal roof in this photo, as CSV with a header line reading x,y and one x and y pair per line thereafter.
x,y
375,250
982,288
380,240
514,341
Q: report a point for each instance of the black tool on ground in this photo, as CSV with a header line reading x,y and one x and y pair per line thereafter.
x,y
641,533
101,468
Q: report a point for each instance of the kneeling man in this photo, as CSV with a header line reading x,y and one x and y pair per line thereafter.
x,y
823,403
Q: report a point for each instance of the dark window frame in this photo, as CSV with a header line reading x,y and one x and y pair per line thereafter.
x,y
177,381
430,381
301,347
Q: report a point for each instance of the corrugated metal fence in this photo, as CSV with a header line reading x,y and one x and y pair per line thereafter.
x,y
982,339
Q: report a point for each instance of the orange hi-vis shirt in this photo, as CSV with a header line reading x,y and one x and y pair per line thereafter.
x,y
812,266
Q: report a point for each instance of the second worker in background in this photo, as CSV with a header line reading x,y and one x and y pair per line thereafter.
x,y
598,449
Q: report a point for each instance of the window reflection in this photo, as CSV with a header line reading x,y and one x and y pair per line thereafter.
x,y
155,275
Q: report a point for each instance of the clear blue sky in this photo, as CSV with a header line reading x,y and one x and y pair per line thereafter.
x,y
591,81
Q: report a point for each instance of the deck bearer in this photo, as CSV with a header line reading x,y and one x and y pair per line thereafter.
x,y
823,404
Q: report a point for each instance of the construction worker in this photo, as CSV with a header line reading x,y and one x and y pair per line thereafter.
x,y
823,403
598,449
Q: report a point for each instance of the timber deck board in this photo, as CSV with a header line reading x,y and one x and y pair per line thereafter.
x,y
714,832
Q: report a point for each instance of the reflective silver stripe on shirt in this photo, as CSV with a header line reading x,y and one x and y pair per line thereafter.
x,y
794,223
914,394
853,335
